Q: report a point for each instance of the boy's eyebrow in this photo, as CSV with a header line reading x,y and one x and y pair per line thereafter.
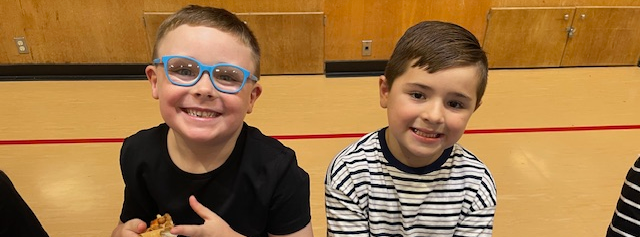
x,y
455,94
424,87
460,95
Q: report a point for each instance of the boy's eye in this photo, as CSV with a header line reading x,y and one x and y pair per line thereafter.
x,y
185,72
228,78
416,95
456,104
226,74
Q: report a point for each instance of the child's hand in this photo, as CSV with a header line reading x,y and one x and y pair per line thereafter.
x,y
213,226
131,228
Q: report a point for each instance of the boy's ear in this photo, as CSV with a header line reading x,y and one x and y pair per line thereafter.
x,y
255,93
152,76
384,91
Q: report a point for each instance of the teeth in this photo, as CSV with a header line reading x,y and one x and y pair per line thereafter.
x,y
423,134
201,114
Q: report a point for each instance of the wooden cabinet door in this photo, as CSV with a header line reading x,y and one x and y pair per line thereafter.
x,y
604,36
290,43
527,37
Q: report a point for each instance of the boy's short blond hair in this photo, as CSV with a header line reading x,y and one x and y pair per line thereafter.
x,y
435,46
217,18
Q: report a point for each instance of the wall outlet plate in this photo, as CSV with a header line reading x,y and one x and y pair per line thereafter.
x,y
366,47
21,44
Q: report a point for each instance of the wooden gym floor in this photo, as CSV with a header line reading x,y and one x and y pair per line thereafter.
x,y
558,142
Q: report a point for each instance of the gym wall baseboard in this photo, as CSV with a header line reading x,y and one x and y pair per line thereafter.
x,y
36,72
355,68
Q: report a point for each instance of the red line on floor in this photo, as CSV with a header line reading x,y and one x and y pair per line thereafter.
x,y
60,141
552,129
338,135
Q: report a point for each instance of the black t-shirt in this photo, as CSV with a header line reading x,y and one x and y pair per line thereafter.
x,y
16,217
260,189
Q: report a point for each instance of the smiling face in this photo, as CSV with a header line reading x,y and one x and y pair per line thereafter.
x,y
200,113
428,112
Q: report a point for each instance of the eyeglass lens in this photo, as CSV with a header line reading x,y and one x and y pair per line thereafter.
x,y
185,71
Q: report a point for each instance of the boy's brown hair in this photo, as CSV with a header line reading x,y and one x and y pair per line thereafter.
x,y
216,18
435,46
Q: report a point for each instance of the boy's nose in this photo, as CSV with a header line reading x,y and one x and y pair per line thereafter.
x,y
433,112
204,87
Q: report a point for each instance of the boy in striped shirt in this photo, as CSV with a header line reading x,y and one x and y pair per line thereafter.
x,y
412,178
626,217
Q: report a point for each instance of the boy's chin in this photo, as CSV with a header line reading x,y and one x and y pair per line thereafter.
x,y
205,137
199,138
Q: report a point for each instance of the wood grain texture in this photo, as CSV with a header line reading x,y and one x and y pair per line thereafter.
x,y
291,43
77,190
82,109
239,6
555,184
73,31
472,15
74,190
562,3
12,25
114,31
604,36
527,37
384,22
153,20
351,22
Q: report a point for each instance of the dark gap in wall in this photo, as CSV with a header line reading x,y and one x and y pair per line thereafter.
x,y
355,68
21,72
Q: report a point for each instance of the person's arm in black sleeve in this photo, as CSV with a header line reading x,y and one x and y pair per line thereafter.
x,y
16,217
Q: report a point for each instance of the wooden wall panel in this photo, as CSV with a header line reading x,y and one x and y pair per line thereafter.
x,y
239,6
350,22
152,21
604,36
75,31
562,3
474,12
96,32
527,37
384,22
11,26
291,43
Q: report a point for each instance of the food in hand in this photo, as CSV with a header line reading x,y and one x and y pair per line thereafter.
x,y
159,227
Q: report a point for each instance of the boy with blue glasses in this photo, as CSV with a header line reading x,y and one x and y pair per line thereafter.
x,y
214,174
187,71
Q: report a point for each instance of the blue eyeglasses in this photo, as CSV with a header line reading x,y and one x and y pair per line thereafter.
x,y
187,71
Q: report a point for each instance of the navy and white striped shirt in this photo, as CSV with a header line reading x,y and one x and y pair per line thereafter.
x,y
368,192
626,218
